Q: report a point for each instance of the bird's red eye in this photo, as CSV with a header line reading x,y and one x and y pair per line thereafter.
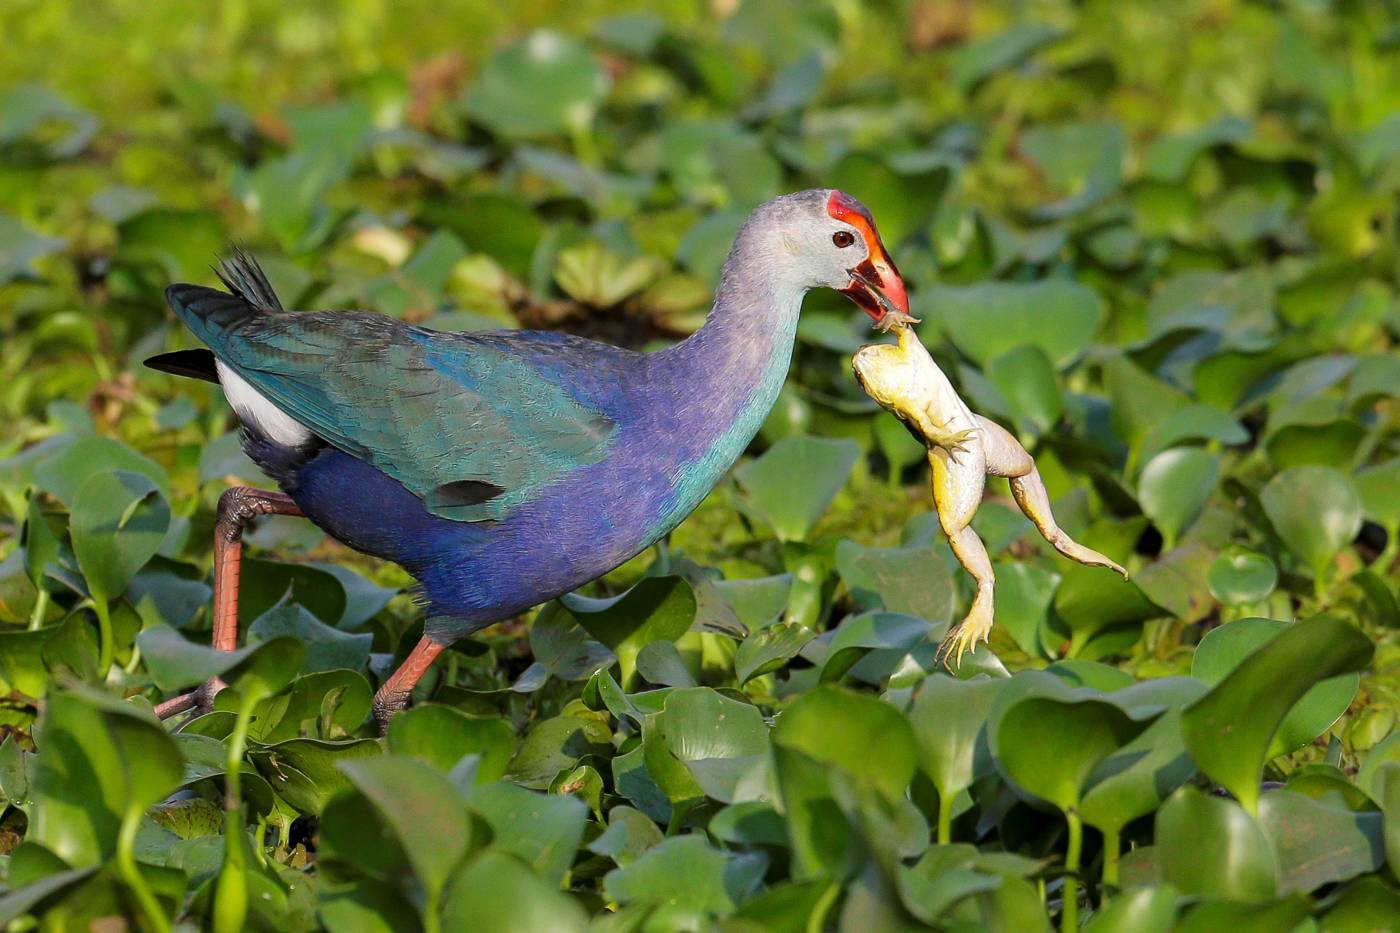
x,y
843,238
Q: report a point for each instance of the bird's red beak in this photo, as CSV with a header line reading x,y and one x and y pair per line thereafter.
x,y
876,285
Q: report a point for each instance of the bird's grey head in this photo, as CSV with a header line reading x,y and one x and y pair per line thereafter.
x,y
821,238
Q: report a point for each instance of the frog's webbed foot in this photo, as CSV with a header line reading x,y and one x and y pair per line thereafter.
x,y
964,636
892,318
955,442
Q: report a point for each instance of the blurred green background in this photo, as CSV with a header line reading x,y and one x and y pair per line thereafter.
x,y
1158,241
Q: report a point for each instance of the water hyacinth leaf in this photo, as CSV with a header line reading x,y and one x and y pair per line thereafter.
x,y
424,810
39,541
1239,576
1210,846
1048,745
990,319
1317,842
1134,780
1379,489
949,717
630,832
1175,485
1229,731
975,61
704,744
758,601
542,830
175,662
1315,510
306,773
770,649
331,703
519,899
441,736
326,648
793,509
656,609
101,758
1225,648
870,631
913,581
1026,377
854,732
1023,597
265,584
684,871
21,247
119,521
1146,909
556,745
546,85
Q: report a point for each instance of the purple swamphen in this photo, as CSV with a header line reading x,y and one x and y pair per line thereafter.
x,y
505,468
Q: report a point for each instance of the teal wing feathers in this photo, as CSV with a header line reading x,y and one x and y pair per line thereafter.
x,y
467,425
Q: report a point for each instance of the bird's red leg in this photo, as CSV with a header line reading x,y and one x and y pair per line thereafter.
x,y
393,695
237,507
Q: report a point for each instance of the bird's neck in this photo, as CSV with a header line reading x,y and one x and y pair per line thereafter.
x,y
724,379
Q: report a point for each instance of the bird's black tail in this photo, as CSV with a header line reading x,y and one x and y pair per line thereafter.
x,y
207,310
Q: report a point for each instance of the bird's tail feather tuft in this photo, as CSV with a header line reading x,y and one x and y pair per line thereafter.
x,y
243,277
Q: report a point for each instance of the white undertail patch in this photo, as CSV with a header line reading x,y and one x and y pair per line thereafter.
x,y
256,412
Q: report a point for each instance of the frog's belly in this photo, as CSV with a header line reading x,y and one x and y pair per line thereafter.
x,y
958,479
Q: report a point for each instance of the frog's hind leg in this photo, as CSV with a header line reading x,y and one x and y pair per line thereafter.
x,y
1006,457
963,637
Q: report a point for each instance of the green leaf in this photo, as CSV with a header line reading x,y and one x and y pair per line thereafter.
x,y
1175,485
495,893
306,773
913,581
1230,729
990,319
543,86
1315,510
1211,847
949,717
656,609
630,832
1225,648
326,648
441,736
424,810
1137,910
1026,377
21,247
1239,576
721,745
793,509
1049,739
119,521
757,602
99,759
1134,780
543,830
859,635
175,662
975,61
854,732
1317,842
770,649
683,871
39,542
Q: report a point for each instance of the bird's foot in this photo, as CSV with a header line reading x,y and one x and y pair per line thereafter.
x,y
964,636
387,702
200,699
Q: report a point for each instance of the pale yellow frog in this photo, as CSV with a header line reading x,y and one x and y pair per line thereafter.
x,y
963,449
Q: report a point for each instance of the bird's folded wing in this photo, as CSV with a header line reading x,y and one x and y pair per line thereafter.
x,y
470,426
